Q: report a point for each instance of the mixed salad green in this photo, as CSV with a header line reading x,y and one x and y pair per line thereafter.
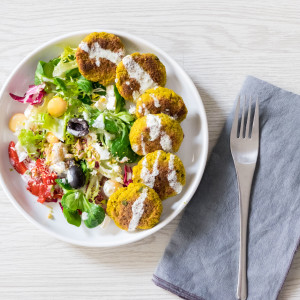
x,y
66,153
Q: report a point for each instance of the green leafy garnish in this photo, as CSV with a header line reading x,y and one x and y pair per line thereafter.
x,y
55,125
32,142
73,201
73,217
85,85
120,101
96,215
119,124
63,184
44,72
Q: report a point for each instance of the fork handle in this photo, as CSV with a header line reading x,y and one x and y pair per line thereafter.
x,y
245,177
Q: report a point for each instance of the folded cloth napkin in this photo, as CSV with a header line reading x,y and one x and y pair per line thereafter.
x,y
201,260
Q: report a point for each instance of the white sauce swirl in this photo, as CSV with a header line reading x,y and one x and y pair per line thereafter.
x,y
154,124
172,177
137,210
135,71
166,142
97,52
147,176
156,101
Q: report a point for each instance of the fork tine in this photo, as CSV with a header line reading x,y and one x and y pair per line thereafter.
x,y
243,120
248,118
234,128
255,128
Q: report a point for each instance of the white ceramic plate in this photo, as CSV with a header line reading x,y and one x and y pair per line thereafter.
x,y
193,151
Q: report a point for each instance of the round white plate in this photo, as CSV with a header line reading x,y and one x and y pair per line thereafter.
x,y
193,151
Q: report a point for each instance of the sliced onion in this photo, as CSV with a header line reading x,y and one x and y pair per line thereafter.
x,y
127,175
34,95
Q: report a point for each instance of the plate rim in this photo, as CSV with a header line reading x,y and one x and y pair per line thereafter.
x,y
204,149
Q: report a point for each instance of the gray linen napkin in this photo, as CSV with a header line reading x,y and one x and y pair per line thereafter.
x,y
201,260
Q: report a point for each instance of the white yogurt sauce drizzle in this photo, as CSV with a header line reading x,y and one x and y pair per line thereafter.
x,y
97,52
147,176
146,111
135,71
143,145
165,142
137,210
172,177
156,101
154,125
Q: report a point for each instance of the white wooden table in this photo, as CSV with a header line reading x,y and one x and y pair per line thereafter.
x,y
217,42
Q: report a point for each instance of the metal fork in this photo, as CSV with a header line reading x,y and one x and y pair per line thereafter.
x,y
244,149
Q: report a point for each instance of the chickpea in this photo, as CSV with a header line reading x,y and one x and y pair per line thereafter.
x,y
57,106
17,121
51,138
111,186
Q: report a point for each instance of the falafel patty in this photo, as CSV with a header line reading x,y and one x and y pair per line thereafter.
x,y
135,206
137,73
155,132
97,56
161,100
161,171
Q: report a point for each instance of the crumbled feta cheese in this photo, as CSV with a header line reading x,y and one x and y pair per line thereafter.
x,y
59,168
101,103
59,151
91,137
84,216
116,168
99,122
85,115
110,97
109,136
22,154
124,160
102,151
94,172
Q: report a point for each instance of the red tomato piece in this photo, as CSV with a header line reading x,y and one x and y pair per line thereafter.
x,y
14,159
42,182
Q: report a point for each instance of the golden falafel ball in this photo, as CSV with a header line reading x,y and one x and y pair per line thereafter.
x,y
155,132
137,73
135,206
161,100
161,171
97,56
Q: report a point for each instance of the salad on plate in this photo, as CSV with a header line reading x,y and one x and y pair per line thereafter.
x,y
75,144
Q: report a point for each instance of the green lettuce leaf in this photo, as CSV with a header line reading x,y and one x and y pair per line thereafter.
x,y
32,142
